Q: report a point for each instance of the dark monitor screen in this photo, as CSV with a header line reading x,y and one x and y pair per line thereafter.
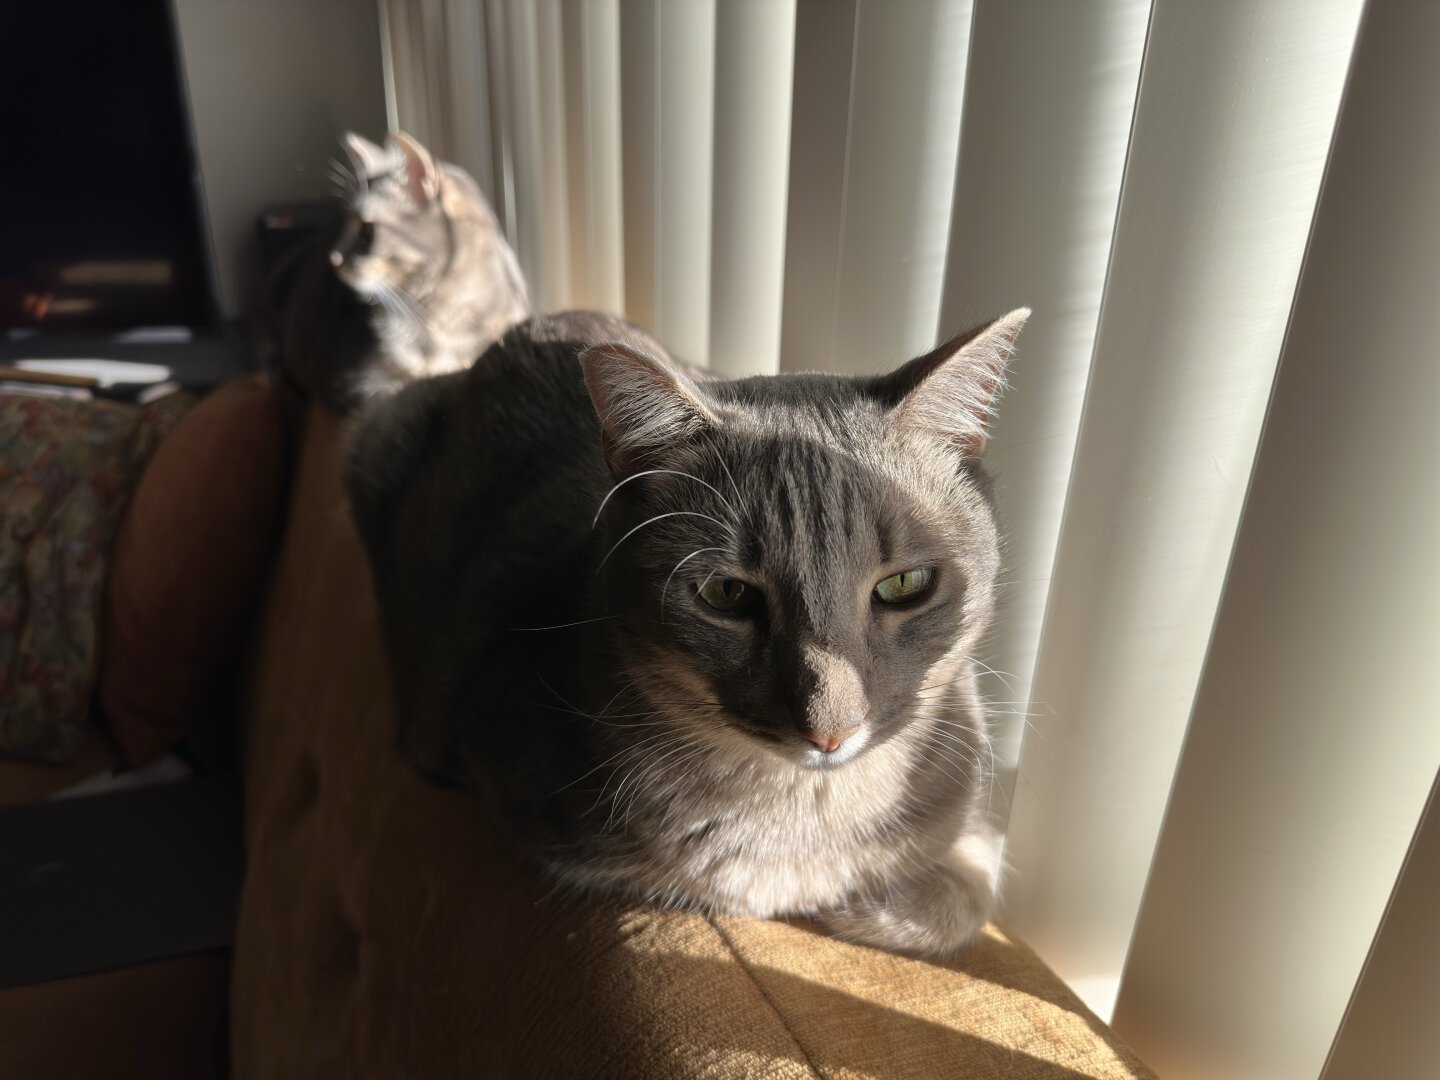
x,y
100,211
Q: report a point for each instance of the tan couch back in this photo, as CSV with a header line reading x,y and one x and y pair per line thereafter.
x,y
384,932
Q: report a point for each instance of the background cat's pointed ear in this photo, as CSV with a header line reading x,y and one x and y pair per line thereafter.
x,y
645,404
422,176
369,159
951,391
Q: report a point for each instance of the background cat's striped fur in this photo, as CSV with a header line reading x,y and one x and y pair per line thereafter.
x,y
419,281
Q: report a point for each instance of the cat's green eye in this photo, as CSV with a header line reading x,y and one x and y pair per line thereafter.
x,y
728,595
906,585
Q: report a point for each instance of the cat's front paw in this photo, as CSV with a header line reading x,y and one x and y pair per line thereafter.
x,y
935,914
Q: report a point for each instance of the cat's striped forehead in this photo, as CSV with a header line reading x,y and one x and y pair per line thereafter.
x,y
814,520
817,526
808,503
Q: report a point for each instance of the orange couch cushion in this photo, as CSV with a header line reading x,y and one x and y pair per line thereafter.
x,y
189,564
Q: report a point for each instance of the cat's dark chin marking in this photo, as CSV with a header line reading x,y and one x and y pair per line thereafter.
x,y
649,748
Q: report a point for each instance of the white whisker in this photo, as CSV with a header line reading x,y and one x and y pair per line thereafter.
x,y
665,590
655,472
648,521
563,625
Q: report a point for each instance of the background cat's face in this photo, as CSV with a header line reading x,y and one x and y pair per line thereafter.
x,y
395,237
817,560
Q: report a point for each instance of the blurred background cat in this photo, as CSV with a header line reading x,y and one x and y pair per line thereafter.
x,y
417,281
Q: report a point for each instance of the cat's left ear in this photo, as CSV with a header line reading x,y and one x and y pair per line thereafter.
x,y
367,158
422,176
951,391
646,404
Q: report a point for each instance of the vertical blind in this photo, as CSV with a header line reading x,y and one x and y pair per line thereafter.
x,y
1216,657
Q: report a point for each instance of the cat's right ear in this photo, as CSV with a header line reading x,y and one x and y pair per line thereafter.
x,y
645,405
369,159
422,175
950,392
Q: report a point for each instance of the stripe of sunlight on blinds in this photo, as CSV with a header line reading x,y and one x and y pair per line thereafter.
x,y
754,72
1049,98
875,130
1236,108
1315,737
537,142
668,91
592,150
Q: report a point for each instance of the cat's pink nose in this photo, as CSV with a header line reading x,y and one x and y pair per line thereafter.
x,y
830,743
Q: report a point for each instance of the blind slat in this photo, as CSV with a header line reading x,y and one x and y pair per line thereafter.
x,y
1236,107
537,147
1049,97
820,115
469,141
888,227
497,57
593,153
754,71
668,81
1315,736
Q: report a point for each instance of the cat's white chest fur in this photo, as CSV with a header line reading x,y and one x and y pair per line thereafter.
x,y
799,839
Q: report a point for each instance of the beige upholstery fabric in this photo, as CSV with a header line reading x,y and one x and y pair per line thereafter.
x,y
386,931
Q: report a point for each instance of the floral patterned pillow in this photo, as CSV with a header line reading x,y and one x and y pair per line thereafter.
x,y
67,468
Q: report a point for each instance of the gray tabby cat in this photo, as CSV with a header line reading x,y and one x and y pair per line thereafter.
x,y
419,281
702,642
